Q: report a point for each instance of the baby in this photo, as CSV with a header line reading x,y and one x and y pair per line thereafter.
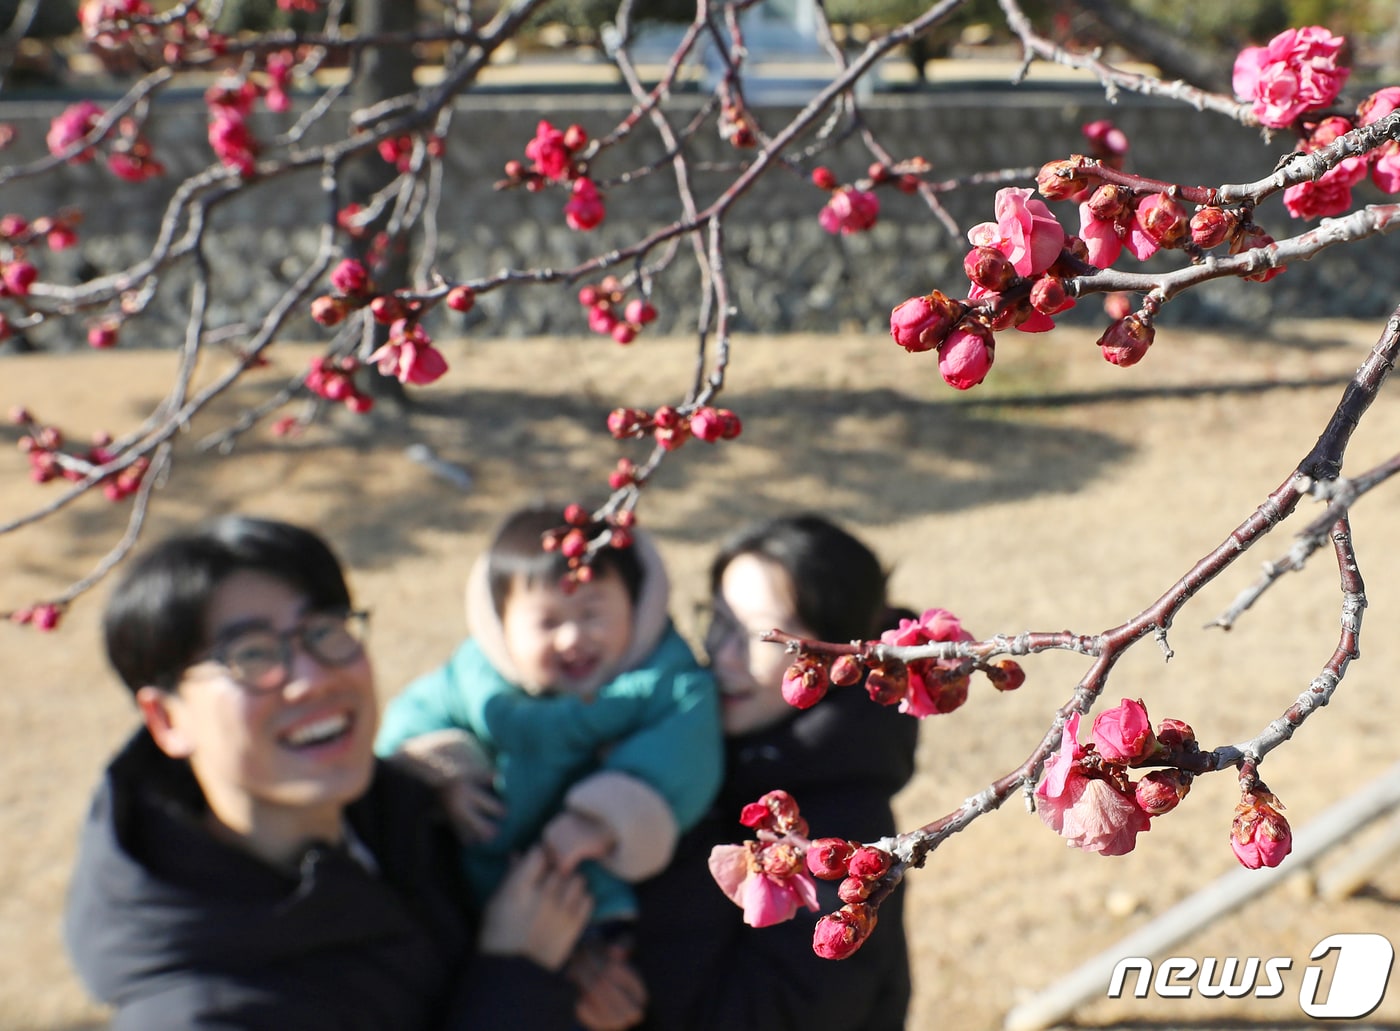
x,y
573,714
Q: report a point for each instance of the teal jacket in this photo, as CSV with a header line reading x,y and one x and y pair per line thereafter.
x,y
657,724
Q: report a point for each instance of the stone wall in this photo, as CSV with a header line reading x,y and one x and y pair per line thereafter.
x,y
786,272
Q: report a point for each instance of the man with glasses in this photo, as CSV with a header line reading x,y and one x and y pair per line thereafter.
x,y
247,862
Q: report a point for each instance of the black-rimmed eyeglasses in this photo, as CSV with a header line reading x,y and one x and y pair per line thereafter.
x,y
261,659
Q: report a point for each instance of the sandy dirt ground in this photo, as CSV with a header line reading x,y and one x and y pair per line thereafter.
x,y
1067,494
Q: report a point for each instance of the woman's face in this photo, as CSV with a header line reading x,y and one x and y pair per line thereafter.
x,y
755,596
277,766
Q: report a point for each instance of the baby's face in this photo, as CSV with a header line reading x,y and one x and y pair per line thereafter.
x,y
568,642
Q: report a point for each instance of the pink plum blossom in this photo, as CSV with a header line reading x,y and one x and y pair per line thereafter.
x,y
409,355
1025,231
769,881
1090,814
1124,733
1385,173
1296,72
849,210
75,122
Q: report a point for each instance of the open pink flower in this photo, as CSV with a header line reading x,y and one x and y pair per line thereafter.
x,y
1124,732
1025,231
849,211
767,880
1296,72
409,355
1090,814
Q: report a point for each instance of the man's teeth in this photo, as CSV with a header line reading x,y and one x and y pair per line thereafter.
x,y
321,731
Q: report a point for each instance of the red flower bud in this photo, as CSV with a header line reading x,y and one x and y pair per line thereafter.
x,y
1211,225
627,422
824,178
1108,203
806,681
922,323
1163,219
1161,790
573,545
846,670
854,889
1006,675
1126,342
640,312
887,682
1058,180
1260,835
461,298
730,426
989,268
827,857
624,475
576,515
386,309
328,310
1049,295
1175,735
869,863
623,332
350,277
839,935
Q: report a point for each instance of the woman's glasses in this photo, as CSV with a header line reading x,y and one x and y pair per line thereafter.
x,y
261,660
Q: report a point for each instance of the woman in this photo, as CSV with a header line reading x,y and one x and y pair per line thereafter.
x,y
842,760
247,862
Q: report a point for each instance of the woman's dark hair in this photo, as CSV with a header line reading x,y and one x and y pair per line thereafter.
x,y
518,550
154,622
838,583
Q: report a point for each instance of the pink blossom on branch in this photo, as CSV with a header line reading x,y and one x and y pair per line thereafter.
x,y
1025,231
1089,813
768,880
70,126
409,355
965,356
1124,733
849,210
1296,72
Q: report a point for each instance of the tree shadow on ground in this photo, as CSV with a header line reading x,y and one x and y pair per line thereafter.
x,y
875,456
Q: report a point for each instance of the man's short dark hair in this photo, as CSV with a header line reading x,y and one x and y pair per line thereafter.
x,y
518,550
154,622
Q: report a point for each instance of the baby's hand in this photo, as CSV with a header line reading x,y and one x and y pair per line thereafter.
x,y
571,837
454,763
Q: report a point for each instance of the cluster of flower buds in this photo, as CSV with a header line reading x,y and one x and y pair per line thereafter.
x,y
920,687
582,534
736,124
230,102
59,232
670,428
112,25
43,446
611,314
855,207
1087,796
1259,833
334,379
44,616
555,158
398,150
860,869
